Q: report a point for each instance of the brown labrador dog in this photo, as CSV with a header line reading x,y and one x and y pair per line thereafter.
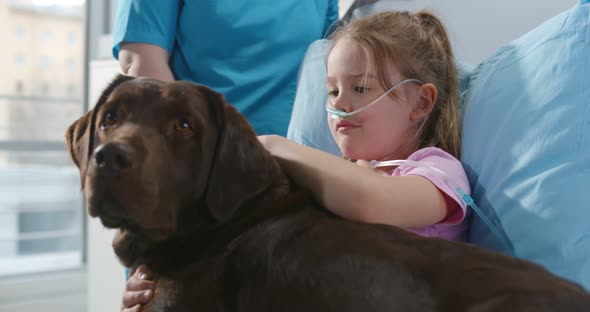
x,y
197,198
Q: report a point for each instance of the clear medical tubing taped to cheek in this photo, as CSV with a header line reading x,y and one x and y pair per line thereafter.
x,y
335,113
509,248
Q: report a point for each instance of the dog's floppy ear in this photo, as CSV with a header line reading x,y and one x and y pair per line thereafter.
x,y
241,168
77,142
79,136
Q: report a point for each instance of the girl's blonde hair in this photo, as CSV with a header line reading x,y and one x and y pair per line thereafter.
x,y
418,45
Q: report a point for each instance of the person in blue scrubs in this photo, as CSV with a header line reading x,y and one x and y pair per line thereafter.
x,y
250,51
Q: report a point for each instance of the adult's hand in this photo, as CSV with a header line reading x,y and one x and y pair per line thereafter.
x,y
145,60
139,290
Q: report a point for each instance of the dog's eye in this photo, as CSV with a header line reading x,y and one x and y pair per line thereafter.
x,y
110,118
183,126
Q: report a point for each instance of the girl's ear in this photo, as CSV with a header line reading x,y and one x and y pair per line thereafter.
x,y
427,95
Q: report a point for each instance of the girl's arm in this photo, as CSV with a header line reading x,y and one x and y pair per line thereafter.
x,y
356,192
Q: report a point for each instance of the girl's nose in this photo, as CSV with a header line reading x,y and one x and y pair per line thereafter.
x,y
339,103
337,107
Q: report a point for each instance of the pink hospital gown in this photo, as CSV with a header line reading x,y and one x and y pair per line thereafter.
x,y
454,226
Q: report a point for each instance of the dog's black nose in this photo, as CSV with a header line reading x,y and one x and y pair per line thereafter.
x,y
113,157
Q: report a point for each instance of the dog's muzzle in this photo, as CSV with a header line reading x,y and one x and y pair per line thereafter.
x,y
113,158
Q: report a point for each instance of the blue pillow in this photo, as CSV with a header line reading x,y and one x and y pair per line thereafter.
x,y
309,123
526,144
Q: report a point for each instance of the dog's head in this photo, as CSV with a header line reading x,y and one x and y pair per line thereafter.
x,y
155,157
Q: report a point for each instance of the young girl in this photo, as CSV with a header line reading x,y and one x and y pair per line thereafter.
x,y
393,111
392,96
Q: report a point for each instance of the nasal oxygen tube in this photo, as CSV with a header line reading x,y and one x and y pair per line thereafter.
x,y
335,113
509,248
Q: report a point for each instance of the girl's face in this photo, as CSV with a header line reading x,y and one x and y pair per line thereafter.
x,y
383,131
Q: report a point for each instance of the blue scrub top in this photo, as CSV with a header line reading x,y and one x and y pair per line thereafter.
x,y
249,50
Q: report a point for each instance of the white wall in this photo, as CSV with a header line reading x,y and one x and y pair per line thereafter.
x,y
106,277
477,28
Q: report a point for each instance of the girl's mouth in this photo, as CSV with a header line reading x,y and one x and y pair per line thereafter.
x,y
345,125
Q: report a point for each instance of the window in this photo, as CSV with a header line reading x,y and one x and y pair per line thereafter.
x,y
47,35
71,65
41,208
44,89
19,32
71,90
19,88
44,61
19,60
71,38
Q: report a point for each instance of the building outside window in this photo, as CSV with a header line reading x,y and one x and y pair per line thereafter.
x,y
41,209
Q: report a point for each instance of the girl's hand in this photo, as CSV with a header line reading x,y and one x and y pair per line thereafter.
x,y
269,140
139,290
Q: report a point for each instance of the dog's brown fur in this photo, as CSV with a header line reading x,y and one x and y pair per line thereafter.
x,y
194,195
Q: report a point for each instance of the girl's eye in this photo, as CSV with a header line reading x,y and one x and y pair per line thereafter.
x,y
333,93
109,119
361,90
183,126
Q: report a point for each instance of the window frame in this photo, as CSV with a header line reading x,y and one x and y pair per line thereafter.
x,y
51,291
